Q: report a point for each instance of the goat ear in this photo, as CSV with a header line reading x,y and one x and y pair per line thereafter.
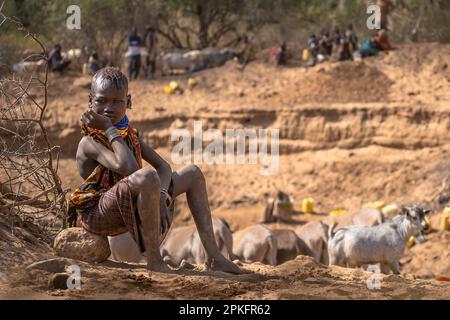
x,y
405,211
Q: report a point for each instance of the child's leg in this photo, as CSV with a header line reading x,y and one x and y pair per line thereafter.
x,y
190,179
145,188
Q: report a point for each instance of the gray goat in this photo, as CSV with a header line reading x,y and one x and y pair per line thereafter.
x,y
355,246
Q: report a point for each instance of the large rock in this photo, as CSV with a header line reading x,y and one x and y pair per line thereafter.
x,y
79,244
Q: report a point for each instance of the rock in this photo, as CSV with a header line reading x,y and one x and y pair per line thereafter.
x,y
51,265
79,244
58,281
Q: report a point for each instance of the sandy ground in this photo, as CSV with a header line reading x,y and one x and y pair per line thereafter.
x,y
350,133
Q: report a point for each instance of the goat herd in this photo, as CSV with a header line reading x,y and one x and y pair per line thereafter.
x,y
350,240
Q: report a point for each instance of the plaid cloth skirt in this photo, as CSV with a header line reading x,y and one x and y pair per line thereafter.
x,y
116,213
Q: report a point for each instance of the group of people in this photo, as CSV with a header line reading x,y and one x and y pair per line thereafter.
x,y
57,62
337,44
340,45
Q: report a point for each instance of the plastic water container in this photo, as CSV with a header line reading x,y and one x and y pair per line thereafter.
x,y
168,89
85,69
445,219
308,205
174,85
410,243
305,55
337,212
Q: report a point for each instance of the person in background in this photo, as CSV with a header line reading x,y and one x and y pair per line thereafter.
x,y
56,62
351,38
150,42
313,47
368,47
247,50
281,54
382,40
134,54
93,63
325,43
337,36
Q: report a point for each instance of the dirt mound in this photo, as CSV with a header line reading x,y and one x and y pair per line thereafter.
x,y
301,278
345,82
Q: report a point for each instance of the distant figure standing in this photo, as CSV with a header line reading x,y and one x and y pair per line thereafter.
x,y
325,43
150,42
313,47
94,64
351,38
247,50
134,54
337,36
56,61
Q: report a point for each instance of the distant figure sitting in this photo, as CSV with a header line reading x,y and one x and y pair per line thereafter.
x,y
368,47
344,49
94,64
280,54
382,40
56,61
134,54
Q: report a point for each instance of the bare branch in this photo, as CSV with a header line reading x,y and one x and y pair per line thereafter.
x,y
32,187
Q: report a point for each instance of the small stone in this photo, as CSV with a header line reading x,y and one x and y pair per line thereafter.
x,y
58,281
79,244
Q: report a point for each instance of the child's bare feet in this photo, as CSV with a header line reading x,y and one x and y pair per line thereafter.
x,y
220,263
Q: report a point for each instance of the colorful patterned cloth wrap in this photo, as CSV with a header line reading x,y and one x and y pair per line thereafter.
x,y
102,179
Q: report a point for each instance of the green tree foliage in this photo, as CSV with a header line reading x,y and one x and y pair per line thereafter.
x,y
201,23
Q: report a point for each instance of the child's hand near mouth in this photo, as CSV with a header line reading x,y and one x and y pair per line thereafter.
x,y
97,121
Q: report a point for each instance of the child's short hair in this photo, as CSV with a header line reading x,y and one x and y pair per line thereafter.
x,y
110,75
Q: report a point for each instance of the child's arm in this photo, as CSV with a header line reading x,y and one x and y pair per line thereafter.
x,y
120,160
162,166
